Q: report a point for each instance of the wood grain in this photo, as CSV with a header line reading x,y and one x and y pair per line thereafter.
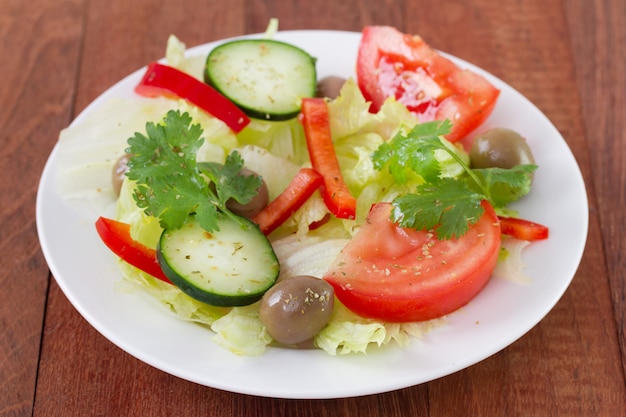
x,y
600,72
566,56
38,42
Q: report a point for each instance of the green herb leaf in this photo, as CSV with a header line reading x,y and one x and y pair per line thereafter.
x,y
413,151
506,185
171,186
446,206
229,183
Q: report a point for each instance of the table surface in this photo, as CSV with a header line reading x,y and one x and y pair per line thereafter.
x,y
566,56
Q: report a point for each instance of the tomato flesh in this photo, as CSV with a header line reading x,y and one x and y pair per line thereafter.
x,y
396,274
394,64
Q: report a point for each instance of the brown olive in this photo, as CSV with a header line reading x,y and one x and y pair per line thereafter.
x,y
329,87
119,172
258,202
296,309
500,148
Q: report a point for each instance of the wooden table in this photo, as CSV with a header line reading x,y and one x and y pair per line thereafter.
x,y
566,56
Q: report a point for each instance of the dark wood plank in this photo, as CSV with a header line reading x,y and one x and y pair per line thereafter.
x,y
601,75
407,402
324,14
82,373
122,37
39,40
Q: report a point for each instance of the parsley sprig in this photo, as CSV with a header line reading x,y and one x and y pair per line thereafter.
x,y
447,205
172,185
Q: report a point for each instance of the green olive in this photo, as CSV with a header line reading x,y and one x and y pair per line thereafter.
x,y
254,206
296,309
500,148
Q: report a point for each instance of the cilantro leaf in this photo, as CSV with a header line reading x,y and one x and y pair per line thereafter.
x,y
170,184
506,185
229,183
447,206
413,151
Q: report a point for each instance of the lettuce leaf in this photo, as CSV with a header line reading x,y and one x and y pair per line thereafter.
x,y
348,333
284,139
242,332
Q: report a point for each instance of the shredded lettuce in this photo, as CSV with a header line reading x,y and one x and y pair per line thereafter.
x,y
348,333
175,57
276,171
284,139
309,254
272,28
510,265
242,332
88,149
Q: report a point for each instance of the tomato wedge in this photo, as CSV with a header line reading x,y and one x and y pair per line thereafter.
x,y
116,236
396,274
163,80
394,64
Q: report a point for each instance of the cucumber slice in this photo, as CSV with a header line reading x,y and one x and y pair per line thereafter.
x,y
230,267
265,78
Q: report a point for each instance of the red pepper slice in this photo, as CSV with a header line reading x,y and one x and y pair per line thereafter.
x,y
522,229
316,123
301,187
116,236
163,80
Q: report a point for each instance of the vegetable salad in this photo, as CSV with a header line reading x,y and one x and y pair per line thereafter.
x,y
376,157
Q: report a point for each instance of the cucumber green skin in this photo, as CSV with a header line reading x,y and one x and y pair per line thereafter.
x,y
252,111
214,298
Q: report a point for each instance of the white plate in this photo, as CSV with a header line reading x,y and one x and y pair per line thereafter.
x,y
501,314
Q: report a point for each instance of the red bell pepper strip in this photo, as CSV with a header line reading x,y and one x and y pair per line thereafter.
x,y
522,229
116,236
301,187
163,80
316,123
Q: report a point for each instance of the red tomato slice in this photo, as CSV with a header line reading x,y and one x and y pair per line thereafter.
x,y
397,274
394,64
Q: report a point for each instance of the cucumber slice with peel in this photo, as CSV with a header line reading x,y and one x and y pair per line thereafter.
x,y
265,78
230,267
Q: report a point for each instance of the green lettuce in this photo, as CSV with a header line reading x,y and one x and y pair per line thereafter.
x,y
241,331
348,333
